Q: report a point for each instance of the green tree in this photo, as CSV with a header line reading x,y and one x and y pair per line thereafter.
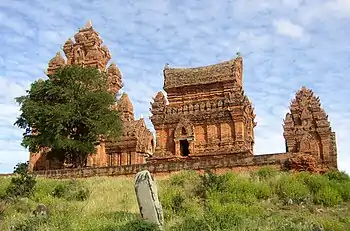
x,y
68,113
23,185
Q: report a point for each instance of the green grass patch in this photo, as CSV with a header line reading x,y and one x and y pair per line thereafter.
x,y
262,200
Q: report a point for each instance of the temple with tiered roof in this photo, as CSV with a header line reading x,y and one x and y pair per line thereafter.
x,y
205,112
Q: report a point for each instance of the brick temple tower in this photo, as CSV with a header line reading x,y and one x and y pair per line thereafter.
x,y
87,50
205,112
136,143
308,131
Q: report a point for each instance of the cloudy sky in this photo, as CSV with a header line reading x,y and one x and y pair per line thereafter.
x,y
285,44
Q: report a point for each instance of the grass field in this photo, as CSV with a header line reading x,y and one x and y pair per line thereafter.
x,y
262,200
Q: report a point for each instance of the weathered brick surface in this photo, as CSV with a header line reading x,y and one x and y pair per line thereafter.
x,y
137,142
217,163
206,112
305,162
205,121
307,131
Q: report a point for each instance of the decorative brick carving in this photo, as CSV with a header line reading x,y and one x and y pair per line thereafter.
x,y
137,142
207,111
204,121
87,50
307,129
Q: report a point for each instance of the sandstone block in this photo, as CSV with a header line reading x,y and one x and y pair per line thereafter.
x,y
147,198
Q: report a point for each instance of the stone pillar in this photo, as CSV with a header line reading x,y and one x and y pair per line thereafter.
x,y
290,143
133,157
239,129
212,134
333,154
177,147
225,133
191,147
325,154
125,158
117,159
147,198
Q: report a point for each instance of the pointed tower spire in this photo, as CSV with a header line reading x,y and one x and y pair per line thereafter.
x,y
88,24
125,107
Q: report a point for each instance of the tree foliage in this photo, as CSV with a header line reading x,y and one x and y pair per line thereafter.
x,y
23,185
68,113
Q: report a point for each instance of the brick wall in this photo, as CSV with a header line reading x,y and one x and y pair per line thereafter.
x,y
218,163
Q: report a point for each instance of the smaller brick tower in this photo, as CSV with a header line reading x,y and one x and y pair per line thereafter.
x,y
308,131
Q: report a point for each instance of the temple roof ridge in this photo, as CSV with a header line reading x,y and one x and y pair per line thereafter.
x,y
226,71
231,61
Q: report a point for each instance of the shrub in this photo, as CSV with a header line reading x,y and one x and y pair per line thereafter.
x,y
2,208
211,182
343,189
266,173
177,203
23,185
71,190
327,196
243,190
224,217
338,176
29,224
314,182
291,188
187,181
139,225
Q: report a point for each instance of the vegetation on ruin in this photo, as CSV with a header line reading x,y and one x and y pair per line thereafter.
x,y
69,112
261,200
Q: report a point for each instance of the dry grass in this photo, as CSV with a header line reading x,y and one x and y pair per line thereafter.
x,y
255,202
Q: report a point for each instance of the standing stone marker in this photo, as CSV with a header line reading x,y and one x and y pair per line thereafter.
x,y
147,198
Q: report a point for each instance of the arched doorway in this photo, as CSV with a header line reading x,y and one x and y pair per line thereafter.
x,y
183,138
184,148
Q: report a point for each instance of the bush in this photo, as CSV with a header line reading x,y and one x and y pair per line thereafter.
x,y
338,176
243,190
292,188
266,173
343,189
328,196
177,203
71,190
211,182
2,208
22,185
29,224
139,225
314,182
225,217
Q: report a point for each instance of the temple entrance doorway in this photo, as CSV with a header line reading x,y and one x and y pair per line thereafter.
x,y
184,148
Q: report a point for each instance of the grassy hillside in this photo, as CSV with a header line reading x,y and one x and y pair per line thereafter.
x,y
263,200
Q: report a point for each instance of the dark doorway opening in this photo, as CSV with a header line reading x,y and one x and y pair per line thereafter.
x,y
184,148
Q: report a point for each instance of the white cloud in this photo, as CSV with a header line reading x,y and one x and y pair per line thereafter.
x,y
287,28
341,7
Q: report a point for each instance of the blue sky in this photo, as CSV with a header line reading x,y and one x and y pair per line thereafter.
x,y
285,44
